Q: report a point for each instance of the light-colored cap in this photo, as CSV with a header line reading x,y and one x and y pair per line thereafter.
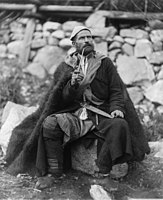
x,y
77,29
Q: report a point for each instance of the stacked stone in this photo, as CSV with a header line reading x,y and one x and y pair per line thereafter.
x,y
136,52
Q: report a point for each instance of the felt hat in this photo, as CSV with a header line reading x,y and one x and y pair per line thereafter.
x,y
76,30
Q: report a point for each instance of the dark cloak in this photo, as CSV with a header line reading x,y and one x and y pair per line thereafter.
x,y
22,149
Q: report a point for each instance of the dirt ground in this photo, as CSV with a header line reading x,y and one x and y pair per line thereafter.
x,y
144,180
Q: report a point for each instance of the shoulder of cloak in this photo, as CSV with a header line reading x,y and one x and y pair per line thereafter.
x,y
27,132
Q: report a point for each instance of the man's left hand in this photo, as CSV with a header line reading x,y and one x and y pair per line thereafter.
x,y
117,113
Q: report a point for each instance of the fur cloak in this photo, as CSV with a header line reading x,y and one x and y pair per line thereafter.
x,y
22,149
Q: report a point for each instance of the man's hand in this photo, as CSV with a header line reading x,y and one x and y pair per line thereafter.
x,y
117,113
76,78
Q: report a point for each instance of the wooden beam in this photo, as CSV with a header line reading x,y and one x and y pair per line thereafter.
x,y
12,6
66,8
28,39
131,15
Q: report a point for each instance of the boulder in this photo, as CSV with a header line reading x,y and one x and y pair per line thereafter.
x,y
38,43
156,58
65,43
96,20
157,46
115,45
154,93
15,47
49,55
36,69
59,34
3,49
113,54
68,26
133,70
135,94
131,41
118,38
83,158
160,74
102,47
143,48
156,35
104,32
51,26
134,33
128,49
52,41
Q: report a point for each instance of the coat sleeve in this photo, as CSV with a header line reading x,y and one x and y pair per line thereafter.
x,y
116,99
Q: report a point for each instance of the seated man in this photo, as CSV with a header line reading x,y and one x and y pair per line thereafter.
x,y
87,98
94,100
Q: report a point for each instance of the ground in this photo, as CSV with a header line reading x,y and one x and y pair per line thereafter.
x,y
144,180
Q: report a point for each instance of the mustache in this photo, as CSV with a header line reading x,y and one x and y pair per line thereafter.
x,y
87,45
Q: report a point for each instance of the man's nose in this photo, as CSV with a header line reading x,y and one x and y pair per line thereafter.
x,y
86,39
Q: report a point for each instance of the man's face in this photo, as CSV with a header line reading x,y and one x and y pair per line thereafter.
x,y
84,42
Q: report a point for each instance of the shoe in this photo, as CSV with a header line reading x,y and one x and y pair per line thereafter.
x,y
44,182
119,171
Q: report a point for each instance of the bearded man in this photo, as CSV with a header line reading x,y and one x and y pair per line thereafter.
x,y
86,99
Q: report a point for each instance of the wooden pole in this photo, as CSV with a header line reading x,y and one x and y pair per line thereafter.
x,y
12,6
66,8
28,39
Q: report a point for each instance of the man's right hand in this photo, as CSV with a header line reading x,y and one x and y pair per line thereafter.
x,y
76,78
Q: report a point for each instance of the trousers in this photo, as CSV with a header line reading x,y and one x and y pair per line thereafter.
x,y
114,142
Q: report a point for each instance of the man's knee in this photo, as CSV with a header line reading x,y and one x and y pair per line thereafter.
x,y
50,122
51,129
119,122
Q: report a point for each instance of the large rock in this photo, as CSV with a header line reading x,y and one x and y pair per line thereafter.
x,y
113,54
65,43
160,74
17,27
36,69
134,33
143,48
38,43
157,46
49,55
115,45
128,49
69,25
15,47
3,49
156,58
96,20
136,94
83,158
59,34
102,47
104,32
131,41
156,35
133,70
154,93
51,26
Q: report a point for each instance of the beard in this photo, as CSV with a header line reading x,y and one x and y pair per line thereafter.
x,y
86,49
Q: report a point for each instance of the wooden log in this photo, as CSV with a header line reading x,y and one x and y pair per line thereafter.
x,y
128,198
28,39
131,15
66,8
12,6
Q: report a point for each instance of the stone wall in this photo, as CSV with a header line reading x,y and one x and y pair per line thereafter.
x,y
137,52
